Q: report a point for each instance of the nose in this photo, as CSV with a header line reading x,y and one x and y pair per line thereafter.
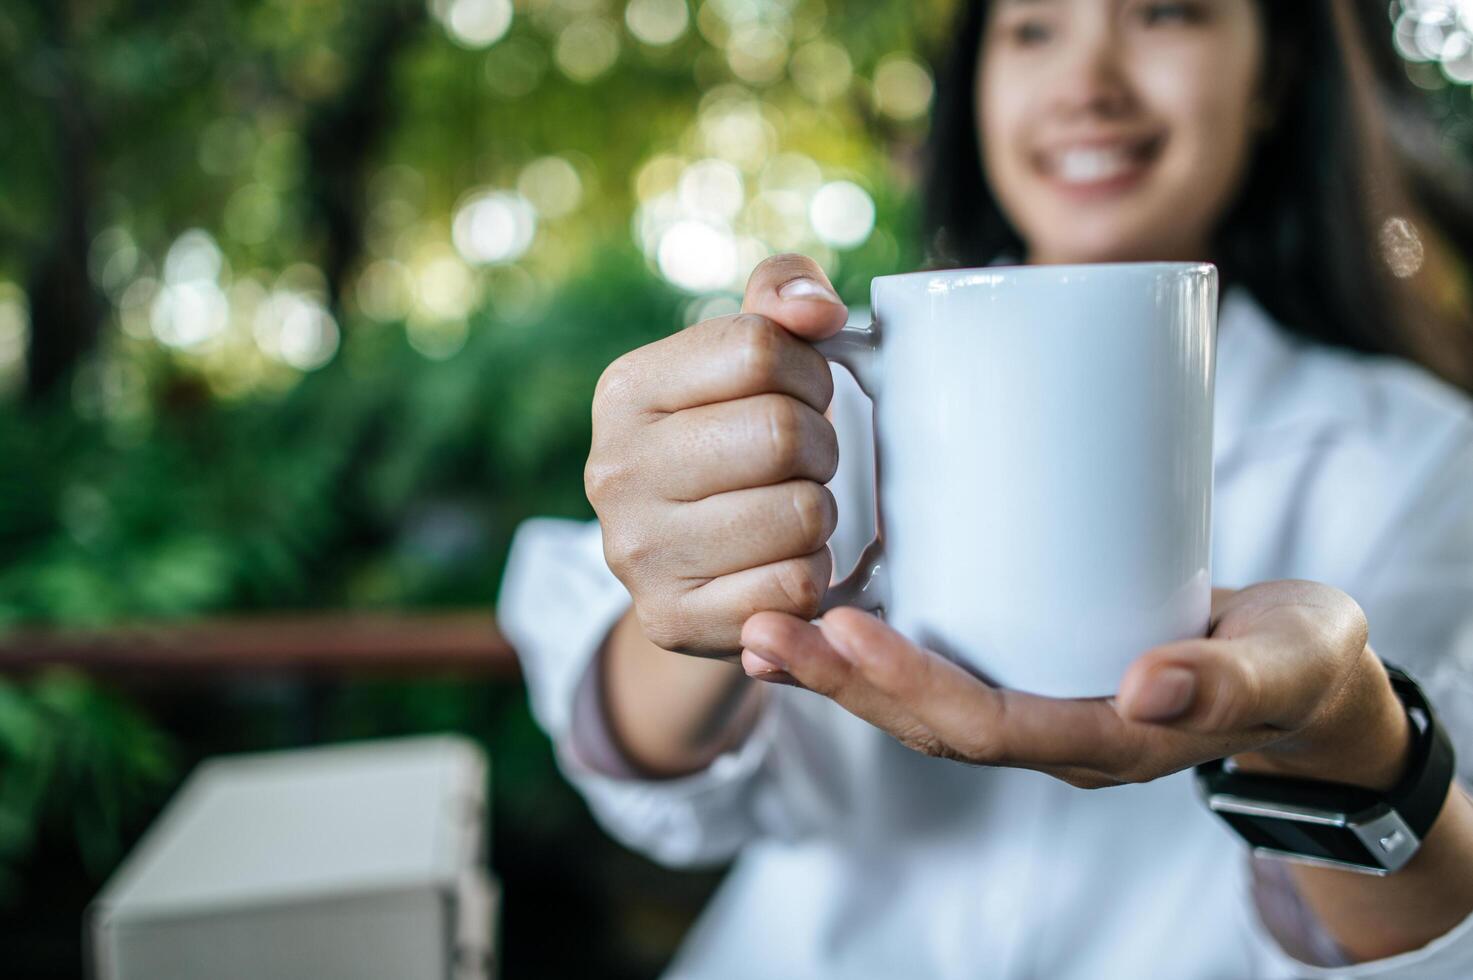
x,y
1092,79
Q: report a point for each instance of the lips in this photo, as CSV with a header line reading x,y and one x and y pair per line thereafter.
x,y
1098,164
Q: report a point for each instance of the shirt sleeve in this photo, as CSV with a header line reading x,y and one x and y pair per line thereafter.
x,y
558,602
1416,588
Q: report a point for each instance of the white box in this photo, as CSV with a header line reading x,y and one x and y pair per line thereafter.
x,y
357,861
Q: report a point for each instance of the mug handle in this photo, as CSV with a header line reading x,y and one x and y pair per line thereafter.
x,y
857,350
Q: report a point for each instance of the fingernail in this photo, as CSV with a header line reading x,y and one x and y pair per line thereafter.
x,y
765,661
1167,695
776,677
806,289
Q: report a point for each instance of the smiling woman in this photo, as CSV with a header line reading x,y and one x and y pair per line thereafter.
x,y
1121,131
1256,134
1285,140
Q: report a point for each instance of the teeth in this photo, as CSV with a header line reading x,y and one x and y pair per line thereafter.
x,y
1087,166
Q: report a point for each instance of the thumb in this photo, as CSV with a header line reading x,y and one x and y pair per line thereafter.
x,y
793,292
1219,686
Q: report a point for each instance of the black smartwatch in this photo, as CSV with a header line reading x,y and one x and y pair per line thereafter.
x,y
1332,824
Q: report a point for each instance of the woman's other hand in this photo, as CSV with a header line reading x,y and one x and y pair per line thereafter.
x,y
1285,680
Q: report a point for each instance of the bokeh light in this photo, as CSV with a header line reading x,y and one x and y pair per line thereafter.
x,y
757,53
734,126
135,306
657,22
586,48
821,70
15,335
187,315
552,185
193,256
697,256
473,23
1436,31
384,290
444,286
658,175
493,226
902,87
842,214
711,189
191,310
296,329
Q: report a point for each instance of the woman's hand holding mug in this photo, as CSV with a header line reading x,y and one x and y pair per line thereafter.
x,y
709,457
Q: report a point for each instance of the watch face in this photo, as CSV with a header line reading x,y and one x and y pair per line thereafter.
x,y
1314,840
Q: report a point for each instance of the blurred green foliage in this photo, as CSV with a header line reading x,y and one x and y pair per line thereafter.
x,y
162,460
247,361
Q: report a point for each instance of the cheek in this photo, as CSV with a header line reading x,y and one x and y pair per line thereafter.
x,y
1207,103
1003,114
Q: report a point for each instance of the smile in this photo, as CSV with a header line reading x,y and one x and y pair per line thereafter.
x,y
1099,167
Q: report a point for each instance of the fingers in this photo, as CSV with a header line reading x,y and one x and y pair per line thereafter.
x,y
715,360
967,719
935,706
1278,654
711,614
750,442
803,652
957,707
740,529
1219,686
792,290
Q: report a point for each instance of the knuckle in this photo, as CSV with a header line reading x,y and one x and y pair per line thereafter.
x,y
830,444
784,432
759,349
802,592
626,550
614,386
813,505
602,478
1235,697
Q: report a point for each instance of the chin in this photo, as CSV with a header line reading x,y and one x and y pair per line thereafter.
x,y
1105,245
1082,254
1147,227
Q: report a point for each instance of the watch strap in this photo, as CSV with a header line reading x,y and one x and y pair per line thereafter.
x,y
1417,797
1422,790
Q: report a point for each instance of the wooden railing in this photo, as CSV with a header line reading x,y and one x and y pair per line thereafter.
x,y
310,644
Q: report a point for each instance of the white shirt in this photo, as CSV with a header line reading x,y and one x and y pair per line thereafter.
x,y
858,858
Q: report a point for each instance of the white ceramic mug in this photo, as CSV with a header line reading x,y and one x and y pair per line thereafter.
x,y
1043,447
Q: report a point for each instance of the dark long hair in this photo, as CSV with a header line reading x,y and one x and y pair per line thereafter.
x,y
1351,170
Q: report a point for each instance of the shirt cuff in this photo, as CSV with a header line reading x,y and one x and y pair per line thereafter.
x,y
590,736
1288,919
1448,957
702,818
